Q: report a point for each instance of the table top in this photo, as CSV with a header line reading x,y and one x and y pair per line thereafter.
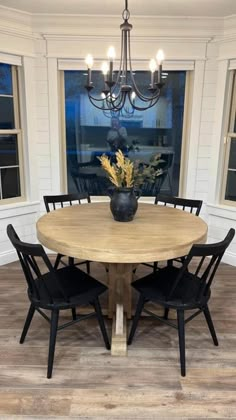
x,y
88,231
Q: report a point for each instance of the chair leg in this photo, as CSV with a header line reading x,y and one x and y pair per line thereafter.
x,y
166,313
70,260
73,311
138,312
52,341
155,266
97,307
88,266
181,331
27,323
210,325
57,261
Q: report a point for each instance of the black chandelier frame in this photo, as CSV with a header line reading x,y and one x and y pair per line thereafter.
x,y
116,92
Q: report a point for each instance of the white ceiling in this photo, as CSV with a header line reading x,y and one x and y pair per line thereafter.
x,y
214,8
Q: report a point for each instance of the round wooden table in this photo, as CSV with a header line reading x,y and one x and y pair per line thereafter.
x,y
89,232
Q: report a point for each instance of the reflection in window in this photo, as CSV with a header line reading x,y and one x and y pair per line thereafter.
x,y
10,179
10,186
140,135
5,79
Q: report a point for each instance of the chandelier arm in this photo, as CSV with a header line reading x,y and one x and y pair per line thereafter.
x,y
102,107
118,107
100,103
121,100
150,104
126,109
95,99
117,82
135,88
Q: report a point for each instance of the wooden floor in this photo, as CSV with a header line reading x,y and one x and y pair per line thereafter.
x,y
88,383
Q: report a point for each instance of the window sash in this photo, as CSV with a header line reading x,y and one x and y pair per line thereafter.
x,y
231,135
18,132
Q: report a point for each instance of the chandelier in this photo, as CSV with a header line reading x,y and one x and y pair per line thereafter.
x,y
120,86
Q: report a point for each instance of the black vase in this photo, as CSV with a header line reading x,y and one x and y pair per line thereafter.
x,y
124,204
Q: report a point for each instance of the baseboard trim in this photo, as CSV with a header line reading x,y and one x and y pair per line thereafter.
x,y
229,258
8,257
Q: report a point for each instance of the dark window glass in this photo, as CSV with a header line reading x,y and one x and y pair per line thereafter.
x,y
5,79
6,113
232,155
91,132
10,178
230,193
8,150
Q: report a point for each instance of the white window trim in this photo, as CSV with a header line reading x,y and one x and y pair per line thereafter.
x,y
184,65
14,60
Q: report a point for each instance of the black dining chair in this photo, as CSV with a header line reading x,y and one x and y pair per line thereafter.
x,y
53,202
55,290
185,204
182,288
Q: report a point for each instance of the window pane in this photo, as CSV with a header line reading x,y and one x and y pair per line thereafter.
x,y
6,113
232,155
8,150
5,79
10,179
230,193
91,132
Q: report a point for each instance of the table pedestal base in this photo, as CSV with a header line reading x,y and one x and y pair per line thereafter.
x,y
120,304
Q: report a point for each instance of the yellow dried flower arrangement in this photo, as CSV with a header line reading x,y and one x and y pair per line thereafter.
x,y
128,174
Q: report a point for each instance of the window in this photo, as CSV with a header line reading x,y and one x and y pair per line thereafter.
x,y
91,132
229,187
10,136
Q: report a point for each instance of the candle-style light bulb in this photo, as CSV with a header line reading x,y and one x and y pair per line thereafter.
x,y
133,96
152,65
105,68
89,61
111,53
160,57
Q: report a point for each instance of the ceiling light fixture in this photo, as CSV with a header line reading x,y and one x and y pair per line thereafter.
x,y
121,86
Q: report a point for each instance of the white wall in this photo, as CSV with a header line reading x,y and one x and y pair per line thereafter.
x,y
208,44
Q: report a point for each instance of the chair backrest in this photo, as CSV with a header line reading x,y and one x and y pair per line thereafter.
x,y
37,274
193,206
208,257
52,202
150,189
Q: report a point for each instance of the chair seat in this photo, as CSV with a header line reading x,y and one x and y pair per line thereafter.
x,y
157,286
78,286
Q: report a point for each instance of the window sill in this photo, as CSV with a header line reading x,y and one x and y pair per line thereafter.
x,y
222,210
18,209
